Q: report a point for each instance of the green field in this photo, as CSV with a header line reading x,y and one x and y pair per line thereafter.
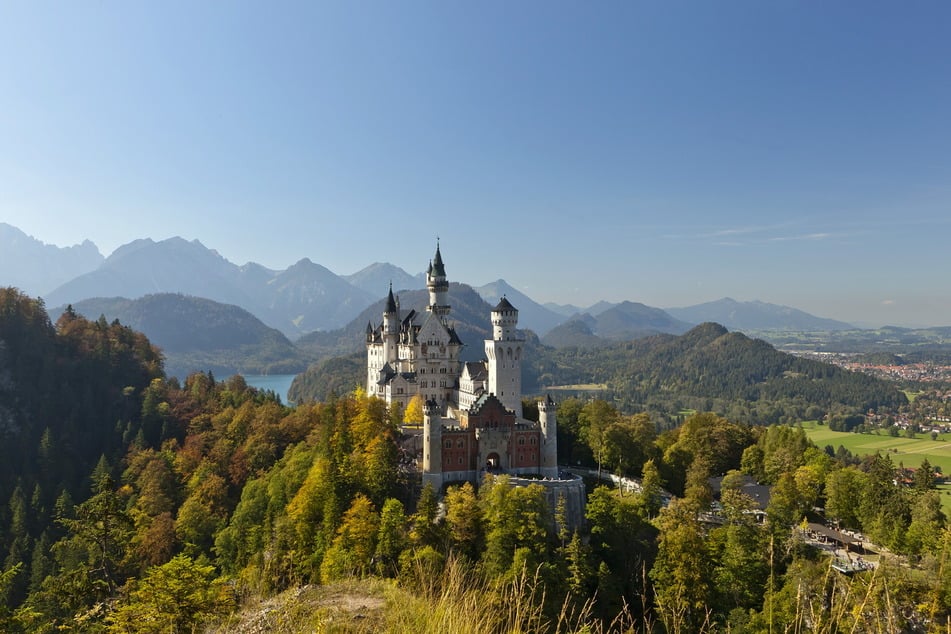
x,y
580,387
909,451
906,451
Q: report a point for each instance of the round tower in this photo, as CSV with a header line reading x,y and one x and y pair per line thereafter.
x,y
438,285
548,424
504,320
432,444
391,328
504,353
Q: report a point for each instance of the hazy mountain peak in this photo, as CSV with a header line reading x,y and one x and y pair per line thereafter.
x,y
376,279
755,315
531,314
36,267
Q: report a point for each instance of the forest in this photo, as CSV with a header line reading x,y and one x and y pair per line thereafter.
x,y
706,369
136,503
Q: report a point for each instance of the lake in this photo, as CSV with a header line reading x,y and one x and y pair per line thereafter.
x,y
280,383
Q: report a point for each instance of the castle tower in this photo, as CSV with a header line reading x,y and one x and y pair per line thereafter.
x,y
391,328
547,421
504,352
432,445
438,286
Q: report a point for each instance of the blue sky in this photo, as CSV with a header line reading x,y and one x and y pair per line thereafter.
x,y
662,152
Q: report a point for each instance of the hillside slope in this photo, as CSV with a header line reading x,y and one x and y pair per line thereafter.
x,y
197,334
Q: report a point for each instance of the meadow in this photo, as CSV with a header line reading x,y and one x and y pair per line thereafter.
x,y
908,452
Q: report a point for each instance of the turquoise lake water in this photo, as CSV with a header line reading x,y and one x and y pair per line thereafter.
x,y
280,383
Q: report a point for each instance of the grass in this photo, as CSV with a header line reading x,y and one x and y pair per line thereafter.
x,y
580,387
909,452
454,599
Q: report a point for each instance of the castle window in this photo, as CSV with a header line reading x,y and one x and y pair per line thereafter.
x,y
448,444
460,443
460,459
521,440
533,440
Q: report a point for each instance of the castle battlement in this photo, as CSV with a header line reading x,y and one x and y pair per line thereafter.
x,y
472,419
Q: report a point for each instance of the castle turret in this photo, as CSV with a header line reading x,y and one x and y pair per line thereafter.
x,y
432,444
504,320
547,421
391,328
504,352
438,286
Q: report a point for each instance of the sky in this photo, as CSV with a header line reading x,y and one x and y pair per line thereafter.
x,y
667,152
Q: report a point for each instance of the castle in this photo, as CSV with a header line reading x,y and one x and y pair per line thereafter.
x,y
472,412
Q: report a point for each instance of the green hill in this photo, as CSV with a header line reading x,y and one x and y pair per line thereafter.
x,y
709,368
197,334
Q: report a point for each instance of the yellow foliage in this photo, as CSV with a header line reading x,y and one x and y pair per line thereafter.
x,y
414,411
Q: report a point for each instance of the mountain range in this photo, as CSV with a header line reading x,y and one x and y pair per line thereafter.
x,y
755,316
624,321
302,298
309,298
36,268
197,334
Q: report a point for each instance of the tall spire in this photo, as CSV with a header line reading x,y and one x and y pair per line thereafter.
x,y
438,285
438,267
390,301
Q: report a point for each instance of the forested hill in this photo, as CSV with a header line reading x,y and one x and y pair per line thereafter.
x,y
710,368
707,368
198,334
69,396
66,393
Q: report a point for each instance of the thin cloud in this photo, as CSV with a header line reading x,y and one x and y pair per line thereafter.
x,y
752,235
736,231
808,236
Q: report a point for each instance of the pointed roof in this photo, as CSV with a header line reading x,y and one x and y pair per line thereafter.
x,y
369,328
438,268
504,304
390,301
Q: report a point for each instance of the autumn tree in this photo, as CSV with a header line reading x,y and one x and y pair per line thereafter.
x,y
464,521
353,548
413,415
392,538
176,597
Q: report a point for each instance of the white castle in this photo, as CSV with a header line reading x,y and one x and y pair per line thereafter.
x,y
472,412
